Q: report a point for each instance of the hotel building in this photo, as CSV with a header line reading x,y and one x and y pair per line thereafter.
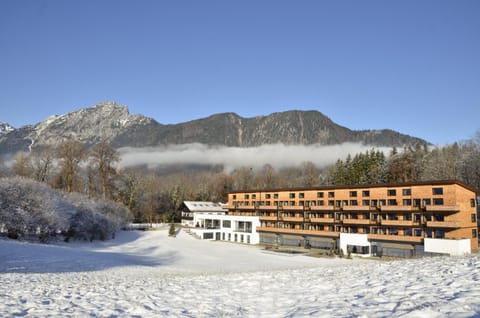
x,y
410,219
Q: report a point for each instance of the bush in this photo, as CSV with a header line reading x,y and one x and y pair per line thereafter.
x,y
33,211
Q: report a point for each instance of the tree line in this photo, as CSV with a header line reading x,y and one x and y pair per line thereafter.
x,y
156,196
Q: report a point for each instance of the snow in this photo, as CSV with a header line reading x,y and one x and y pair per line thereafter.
x,y
148,274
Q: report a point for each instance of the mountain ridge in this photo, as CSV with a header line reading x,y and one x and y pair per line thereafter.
x,y
113,123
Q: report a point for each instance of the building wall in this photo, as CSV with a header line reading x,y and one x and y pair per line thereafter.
x,y
233,233
445,246
401,213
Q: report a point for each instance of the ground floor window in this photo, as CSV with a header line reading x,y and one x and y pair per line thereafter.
x,y
208,236
355,249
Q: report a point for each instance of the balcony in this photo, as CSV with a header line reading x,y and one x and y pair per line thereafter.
x,y
396,208
267,208
321,207
292,208
358,221
297,231
396,238
442,208
292,219
397,222
444,224
268,218
356,208
322,220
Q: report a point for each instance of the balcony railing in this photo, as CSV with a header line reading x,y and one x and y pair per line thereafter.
x,y
297,231
322,220
267,208
357,221
321,207
396,208
291,207
444,224
397,222
397,238
442,208
356,208
267,218
292,219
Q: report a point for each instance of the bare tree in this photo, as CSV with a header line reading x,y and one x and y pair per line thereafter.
x,y
71,153
22,165
103,157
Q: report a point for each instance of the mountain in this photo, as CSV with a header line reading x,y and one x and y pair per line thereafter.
x,y
113,123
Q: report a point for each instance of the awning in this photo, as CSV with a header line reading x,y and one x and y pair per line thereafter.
x,y
398,246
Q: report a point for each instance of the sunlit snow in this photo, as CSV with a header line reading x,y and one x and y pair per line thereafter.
x,y
148,274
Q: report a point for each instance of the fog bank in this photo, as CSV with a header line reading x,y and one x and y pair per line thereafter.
x,y
278,155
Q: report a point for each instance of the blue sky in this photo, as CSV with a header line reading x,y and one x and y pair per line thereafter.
x,y
412,66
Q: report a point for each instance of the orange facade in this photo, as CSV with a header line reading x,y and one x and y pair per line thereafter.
x,y
400,213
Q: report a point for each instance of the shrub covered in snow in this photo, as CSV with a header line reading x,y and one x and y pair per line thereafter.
x,y
32,210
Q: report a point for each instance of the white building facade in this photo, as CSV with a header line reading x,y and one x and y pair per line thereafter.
x,y
209,221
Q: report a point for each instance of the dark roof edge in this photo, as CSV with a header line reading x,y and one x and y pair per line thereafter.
x,y
378,185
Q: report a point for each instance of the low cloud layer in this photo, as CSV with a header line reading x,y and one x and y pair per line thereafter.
x,y
278,155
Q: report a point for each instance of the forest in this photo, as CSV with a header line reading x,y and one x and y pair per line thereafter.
x,y
155,195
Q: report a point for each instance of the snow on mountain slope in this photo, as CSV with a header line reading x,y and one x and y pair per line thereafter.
x,y
5,128
149,274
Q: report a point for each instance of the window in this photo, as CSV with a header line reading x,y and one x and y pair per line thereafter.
x,y
292,195
391,192
416,202
474,217
353,193
353,202
301,195
438,201
366,202
344,202
418,232
439,234
426,202
246,196
474,232
408,232
234,196
392,202
321,202
365,193
254,196
472,203
208,236
331,194
331,203
383,202
268,196
275,195
437,191
338,203
226,223
319,194
407,202
374,203
407,191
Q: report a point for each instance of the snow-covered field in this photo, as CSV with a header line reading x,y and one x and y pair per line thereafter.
x,y
148,274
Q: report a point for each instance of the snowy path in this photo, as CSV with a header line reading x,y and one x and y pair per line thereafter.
x,y
150,275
